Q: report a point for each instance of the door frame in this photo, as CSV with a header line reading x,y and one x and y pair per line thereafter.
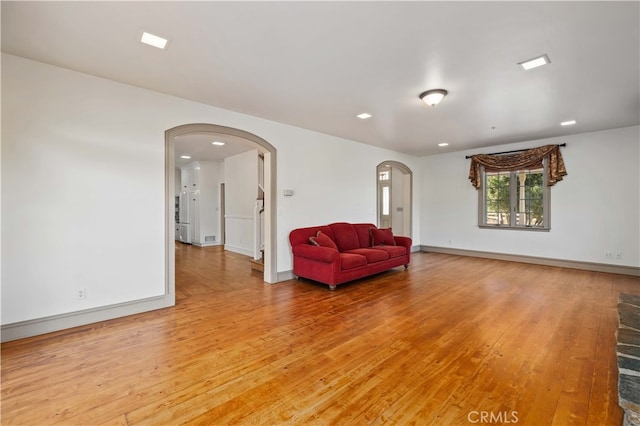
x,y
270,232
408,201
223,209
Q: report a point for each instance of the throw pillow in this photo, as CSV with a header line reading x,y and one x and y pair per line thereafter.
x,y
382,237
322,240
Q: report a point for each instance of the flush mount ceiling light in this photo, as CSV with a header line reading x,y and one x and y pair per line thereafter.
x,y
443,144
363,116
154,40
568,123
433,97
535,62
216,143
186,157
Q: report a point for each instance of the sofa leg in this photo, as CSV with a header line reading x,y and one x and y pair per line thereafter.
x,y
332,287
406,266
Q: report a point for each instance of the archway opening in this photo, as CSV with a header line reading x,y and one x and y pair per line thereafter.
x,y
267,153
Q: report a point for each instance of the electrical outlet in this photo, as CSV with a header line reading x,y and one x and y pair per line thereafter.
x,y
612,255
81,293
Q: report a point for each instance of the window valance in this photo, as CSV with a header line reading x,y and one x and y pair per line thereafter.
x,y
531,158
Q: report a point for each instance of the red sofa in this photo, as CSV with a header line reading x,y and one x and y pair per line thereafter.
x,y
339,252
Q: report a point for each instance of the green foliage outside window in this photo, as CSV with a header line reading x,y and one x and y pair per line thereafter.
x,y
498,199
525,200
531,199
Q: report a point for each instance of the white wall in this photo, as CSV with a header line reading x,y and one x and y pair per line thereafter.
x,y
241,191
596,207
83,186
207,212
210,206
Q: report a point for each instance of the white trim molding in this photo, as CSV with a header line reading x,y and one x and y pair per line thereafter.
x,y
239,250
206,244
34,327
286,275
562,263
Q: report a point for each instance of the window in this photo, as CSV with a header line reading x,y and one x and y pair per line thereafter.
x,y
515,199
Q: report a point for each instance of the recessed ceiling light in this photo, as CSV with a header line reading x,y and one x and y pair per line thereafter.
x,y
363,116
217,143
186,157
535,62
568,123
443,144
154,40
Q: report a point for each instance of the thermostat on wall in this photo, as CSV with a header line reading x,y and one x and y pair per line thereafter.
x,y
288,192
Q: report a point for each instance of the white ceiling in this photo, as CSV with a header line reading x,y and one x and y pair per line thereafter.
x,y
317,64
199,147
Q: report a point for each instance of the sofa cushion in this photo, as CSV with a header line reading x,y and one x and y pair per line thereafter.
x,y
364,235
382,237
393,251
345,236
352,260
301,235
321,239
371,254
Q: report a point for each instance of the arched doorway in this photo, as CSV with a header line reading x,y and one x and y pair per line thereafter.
x,y
394,183
269,152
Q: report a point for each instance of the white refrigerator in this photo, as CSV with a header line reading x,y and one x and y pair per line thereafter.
x,y
184,225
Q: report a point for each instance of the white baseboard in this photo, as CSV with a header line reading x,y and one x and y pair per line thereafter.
x,y
22,329
206,244
285,276
562,263
239,250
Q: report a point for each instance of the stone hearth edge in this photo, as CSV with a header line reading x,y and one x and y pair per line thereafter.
x,y
628,353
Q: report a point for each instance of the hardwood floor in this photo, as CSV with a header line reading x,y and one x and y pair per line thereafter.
x,y
453,340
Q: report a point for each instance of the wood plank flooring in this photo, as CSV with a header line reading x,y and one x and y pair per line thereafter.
x,y
452,340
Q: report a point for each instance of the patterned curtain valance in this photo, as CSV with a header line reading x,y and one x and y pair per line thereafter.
x,y
531,158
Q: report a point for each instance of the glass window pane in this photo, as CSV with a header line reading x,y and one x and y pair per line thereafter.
x,y
530,190
385,200
497,198
527,207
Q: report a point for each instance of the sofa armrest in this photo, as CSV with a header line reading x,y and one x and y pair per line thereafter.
x,y
321,254
403,241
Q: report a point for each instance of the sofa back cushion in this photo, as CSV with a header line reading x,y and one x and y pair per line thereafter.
x,y
323,240
345,236
364,233
382,237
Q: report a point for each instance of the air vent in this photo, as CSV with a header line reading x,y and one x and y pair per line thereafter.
x,y
209,238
